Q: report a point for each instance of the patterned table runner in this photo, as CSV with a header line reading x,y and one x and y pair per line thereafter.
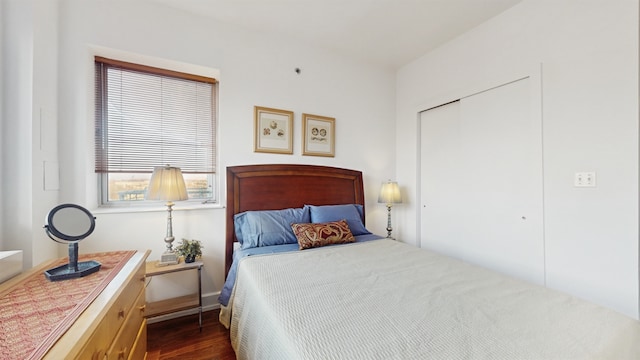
x,y
36,312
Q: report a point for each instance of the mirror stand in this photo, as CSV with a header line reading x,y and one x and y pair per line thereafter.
x,y
73,269
69,224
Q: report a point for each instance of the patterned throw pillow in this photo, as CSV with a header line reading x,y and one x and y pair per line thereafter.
x,y
321,234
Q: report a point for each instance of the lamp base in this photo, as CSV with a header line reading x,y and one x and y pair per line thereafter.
x,y
389,228
168,258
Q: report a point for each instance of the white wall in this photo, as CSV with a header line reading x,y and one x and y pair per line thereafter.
x,y
2,75
29,73
44,132
587,53
16,141
255,69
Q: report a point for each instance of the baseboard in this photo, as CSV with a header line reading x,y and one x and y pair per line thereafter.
x,y
209,303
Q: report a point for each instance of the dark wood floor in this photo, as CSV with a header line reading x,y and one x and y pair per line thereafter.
x,y
181,339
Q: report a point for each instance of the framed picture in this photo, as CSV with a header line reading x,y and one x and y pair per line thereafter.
x,y
273,130
318,135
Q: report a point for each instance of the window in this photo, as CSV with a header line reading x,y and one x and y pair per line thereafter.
x,y
147,117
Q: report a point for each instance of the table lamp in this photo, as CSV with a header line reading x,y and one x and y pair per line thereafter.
x,y
167,184
389,195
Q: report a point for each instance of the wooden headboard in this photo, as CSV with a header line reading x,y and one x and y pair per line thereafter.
x,y
277,186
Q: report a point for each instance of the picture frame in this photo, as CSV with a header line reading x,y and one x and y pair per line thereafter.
x,y
273,130
318,135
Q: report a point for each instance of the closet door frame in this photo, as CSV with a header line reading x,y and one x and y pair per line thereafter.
x,y
533,75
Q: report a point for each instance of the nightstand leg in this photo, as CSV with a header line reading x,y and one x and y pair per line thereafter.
x,y
200,296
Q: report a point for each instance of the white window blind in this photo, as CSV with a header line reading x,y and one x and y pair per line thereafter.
x,y
148,117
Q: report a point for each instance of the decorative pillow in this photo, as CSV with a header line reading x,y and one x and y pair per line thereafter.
x,y
268,227
321,234
350,212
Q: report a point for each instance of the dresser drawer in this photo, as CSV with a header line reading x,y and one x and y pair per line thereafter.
x,y
125,302
139,350
126,337
125,305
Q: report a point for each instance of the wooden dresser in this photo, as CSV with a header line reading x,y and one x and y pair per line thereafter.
x,y
113,325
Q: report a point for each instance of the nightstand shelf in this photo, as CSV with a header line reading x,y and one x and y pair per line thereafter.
x,y
169,306
172,305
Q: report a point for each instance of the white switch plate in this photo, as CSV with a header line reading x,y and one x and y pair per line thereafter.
x,y
585,179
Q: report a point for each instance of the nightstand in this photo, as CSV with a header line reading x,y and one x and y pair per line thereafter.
x,y
173,305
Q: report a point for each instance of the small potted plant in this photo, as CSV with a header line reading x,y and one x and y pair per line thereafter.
x,y
190,249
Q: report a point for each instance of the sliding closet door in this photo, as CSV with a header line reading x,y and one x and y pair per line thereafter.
x,y
481,181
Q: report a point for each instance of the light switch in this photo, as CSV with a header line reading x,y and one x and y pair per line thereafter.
x,y
585,179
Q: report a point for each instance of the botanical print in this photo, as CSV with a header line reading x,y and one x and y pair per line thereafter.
x,y
273,129
319,134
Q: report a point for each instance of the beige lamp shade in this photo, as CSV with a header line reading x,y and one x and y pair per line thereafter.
x,y
167,183
390,193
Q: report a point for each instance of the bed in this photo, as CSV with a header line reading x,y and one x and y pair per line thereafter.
x,y
376,298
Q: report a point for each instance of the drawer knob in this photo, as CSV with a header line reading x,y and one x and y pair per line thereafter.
x,y
121,313
122,353
143,308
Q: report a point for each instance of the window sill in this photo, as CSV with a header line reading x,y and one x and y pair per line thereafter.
x,y
155,208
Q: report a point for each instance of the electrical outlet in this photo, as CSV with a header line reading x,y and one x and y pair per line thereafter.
x,y
585,179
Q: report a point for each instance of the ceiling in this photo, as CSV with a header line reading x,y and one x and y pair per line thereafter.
x,y
389,33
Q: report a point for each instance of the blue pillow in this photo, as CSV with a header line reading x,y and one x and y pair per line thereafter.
x,y
353,213
268,227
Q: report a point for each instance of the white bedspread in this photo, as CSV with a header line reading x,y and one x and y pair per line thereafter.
x,y
388,300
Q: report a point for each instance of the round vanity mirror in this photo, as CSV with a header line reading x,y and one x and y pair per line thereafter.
x,y
69,223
